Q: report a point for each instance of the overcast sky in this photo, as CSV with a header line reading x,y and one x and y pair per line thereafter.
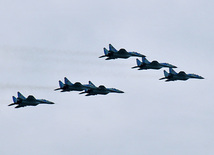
x,y
41,42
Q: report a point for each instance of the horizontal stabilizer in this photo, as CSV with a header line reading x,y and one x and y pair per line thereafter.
x,y
110,58
102,56
82,92
19,106
67,81
135,67
57,89
12,104
162,78
111,48
90,94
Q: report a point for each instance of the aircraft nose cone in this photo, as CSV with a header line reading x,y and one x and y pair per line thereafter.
x,y
50,102
120,91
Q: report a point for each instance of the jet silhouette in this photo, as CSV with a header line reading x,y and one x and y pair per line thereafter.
x,y
22,101
173,76
145,64
102,90
68,86
122,53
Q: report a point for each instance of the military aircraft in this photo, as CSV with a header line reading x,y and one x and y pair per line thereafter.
x,y
68,86
173,76
102,90
122,53
22,101
145,64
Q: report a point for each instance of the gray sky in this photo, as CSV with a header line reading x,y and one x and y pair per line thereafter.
x,y
41,42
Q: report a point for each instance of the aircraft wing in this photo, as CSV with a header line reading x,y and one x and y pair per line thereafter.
x,y
136,54
168,65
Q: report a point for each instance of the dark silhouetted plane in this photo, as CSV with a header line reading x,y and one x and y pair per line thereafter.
x,y
22,101
68,86
122,53
102,90
145,64
173,76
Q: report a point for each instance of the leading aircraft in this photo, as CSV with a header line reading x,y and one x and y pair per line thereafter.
x,y
112,53
145,64
68,86
102,90
22,101
173,76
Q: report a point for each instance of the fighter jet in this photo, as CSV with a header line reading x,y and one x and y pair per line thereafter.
x,y
22,101
173,76
122,53
68,86
102,90
145,64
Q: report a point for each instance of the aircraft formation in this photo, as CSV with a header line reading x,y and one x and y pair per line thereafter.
x,y
90,89
112,53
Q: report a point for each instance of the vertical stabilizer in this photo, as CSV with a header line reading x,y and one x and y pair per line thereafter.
x,y
61,85
67,81
90,83
15,99
105,51
139,63
111,48
166,74
20,96
144,60
172,71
